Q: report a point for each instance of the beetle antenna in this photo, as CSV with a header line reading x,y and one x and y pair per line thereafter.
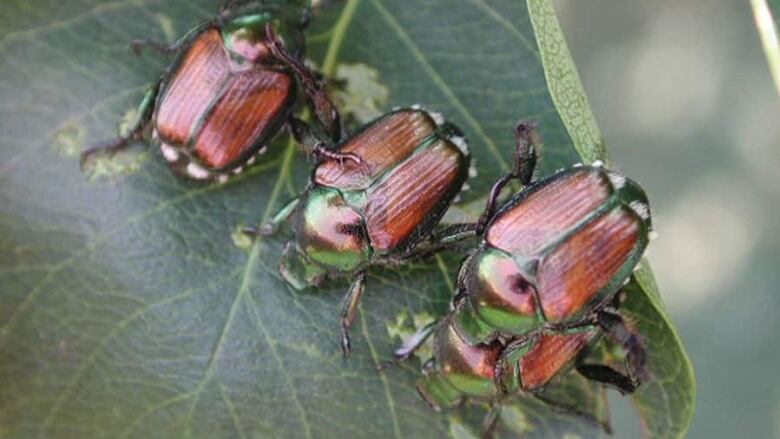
x,y
526,139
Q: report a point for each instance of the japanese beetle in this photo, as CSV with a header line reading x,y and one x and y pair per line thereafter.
x,y
379,212
557,250
509,366
541,287
232,86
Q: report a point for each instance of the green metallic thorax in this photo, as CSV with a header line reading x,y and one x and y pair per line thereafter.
x,y
449,379
331,237
324,213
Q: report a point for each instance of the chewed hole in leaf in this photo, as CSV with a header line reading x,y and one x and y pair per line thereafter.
x,y
69,139
360,94
406,325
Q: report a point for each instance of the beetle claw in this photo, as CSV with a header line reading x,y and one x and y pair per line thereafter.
x,y
356,159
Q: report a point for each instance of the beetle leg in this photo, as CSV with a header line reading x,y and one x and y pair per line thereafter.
x,y
272,225
320,151
490,421
625,384
525,162
312,145
504,362
440,240
135,133
320,103
453,234
418,339
616,328
349,307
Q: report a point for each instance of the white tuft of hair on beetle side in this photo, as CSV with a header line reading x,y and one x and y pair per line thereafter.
x,y
437,117
652,235
618,181
461,143
170,153
641,209
197,172
598,164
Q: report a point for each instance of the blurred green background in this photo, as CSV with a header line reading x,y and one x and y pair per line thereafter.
x,y
682,93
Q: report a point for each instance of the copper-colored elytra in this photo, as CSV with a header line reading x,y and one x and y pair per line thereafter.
x,y
574,272
383,144
528,227
549,355
197,82
251,104
460,357
412,191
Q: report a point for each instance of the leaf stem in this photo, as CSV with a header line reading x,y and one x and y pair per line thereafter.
x,y
768,33
563,81
339,31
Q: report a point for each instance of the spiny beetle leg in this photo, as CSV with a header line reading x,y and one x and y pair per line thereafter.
x,y
320,151
504,361
272,226
609,376
418,339
323,108
136,131
349,307
616,329
312,145
490,421
525,162
442,239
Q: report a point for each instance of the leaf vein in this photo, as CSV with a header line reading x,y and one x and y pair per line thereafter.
x,y
439,82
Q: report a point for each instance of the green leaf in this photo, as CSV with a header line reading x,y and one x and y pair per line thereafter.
x,y
767,16
130,306
666,401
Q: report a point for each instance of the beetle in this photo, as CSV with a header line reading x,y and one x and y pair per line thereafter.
x,y
499,370
385,212
232,86
556,251
542,285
